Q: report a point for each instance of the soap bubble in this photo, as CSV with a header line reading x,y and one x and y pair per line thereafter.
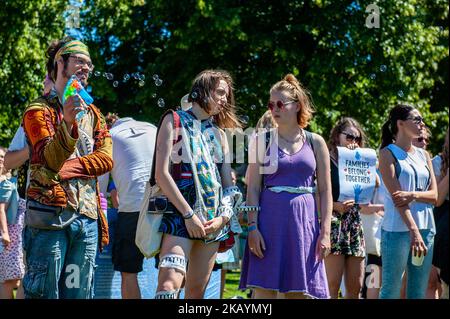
x,y
400,93
104,74
383,68
153,95
89,89
253,107
126,77
194,95
136,76
141,83
158,82
97,73
142,77
109,76
373,76
115,84
155,77
244,119
161,102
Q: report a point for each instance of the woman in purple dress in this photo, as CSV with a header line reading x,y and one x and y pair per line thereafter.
x,y
286,242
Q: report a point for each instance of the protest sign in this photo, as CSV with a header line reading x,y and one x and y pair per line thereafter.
x,y
357,174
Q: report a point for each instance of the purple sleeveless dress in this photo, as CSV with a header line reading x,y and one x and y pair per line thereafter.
x,y
290,228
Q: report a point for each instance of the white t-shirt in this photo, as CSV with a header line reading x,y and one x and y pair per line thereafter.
x,y
19,140
133,147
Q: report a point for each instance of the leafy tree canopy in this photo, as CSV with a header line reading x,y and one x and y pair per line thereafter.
x,y
350,69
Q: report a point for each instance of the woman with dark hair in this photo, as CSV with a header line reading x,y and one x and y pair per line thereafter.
x,y
286,242
347,239
407,230
199,188
441,212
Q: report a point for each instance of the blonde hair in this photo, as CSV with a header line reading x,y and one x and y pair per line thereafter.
x,y
299,94
266,121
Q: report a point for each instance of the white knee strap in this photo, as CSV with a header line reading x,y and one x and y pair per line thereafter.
x,y
177,262
173,294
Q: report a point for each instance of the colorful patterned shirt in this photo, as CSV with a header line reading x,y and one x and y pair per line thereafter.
x,y
64,165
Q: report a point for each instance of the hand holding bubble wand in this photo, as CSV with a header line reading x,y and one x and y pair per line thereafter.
x,y
74,87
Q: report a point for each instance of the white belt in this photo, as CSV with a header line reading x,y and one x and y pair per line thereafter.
x,y
292,189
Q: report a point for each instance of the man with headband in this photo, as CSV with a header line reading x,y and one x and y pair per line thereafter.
x,y
64,221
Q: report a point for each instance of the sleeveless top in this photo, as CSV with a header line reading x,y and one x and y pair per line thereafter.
x,y
413,174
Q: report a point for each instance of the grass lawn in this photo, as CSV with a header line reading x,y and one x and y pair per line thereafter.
x,y
232,284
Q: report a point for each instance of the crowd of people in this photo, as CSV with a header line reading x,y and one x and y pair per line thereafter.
x,y
299,238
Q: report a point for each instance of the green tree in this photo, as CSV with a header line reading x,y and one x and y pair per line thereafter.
x,y
350,69
26,28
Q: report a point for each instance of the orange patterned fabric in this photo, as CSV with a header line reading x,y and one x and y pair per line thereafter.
x,y
52,146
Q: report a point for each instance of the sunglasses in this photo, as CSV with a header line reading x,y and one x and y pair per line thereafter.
x,y
281,105
416,119
350,137
422,139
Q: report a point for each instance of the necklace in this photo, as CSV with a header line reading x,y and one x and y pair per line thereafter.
x,y
295,140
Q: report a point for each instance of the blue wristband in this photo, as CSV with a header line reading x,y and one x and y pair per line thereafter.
x,y
252,228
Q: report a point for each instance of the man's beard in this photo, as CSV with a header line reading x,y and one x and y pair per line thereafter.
x,y
68,76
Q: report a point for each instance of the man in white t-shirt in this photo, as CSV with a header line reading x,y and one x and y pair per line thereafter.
x,y
133,148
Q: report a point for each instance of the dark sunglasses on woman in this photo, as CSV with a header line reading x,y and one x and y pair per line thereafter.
x,y
350,137
422,139
416,119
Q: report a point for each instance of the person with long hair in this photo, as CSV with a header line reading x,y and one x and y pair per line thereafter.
x,y
408,228
286,242
198,188
347,239
441,212
63,201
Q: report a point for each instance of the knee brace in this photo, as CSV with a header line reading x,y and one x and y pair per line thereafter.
x,y
177,262
173,294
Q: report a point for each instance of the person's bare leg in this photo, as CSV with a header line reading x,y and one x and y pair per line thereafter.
x,y
171,279
403,289
434,289
334,265
374,293
260,293
354,276
292,295
130,286
223,274
201,264
20,293
7,289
